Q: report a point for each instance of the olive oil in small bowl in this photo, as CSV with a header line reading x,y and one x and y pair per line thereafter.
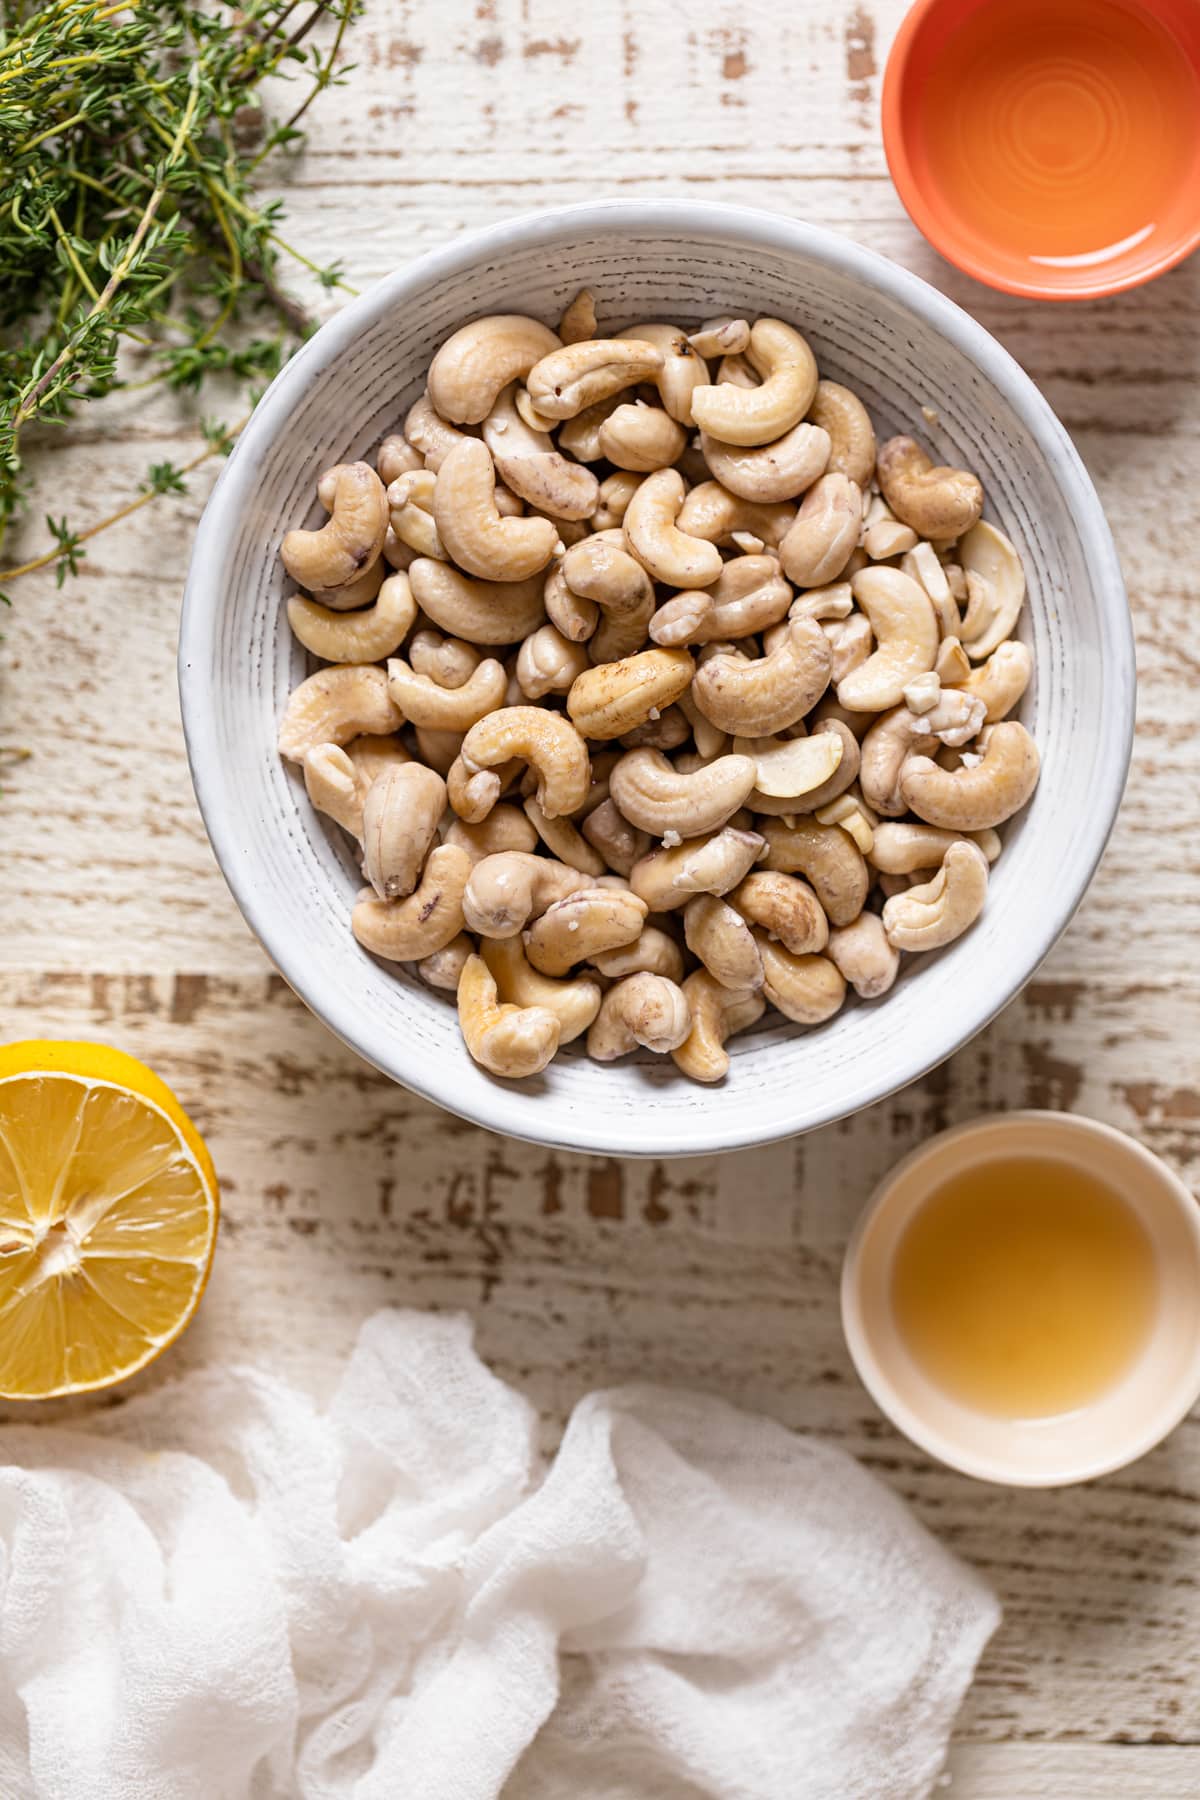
x,y
1022,1298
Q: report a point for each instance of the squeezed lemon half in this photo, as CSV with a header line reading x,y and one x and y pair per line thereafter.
x,y
108,1218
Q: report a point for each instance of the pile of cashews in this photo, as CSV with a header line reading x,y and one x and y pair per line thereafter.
x,y
656,692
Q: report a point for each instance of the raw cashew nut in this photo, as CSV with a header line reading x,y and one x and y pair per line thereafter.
x,y
995,589
443,968
840,412
505,891
723,941
448,661
901,849
339,703
530,465
667,732
786,908
564,841
927,917
372,755
827,856
641,438
351,538
410,509
429,433
850,642
576,376
646,1010
970,799
513,1041
580,927
478,537
883,533
548,662
1001,680
395,457
545,740
657,798
936,502
334,786
505,828
614,838
360,637
770,473
718,516
616,491
613,698
834,601
483,612
906,635
429,919
359,592
718,1013
570,614
399,823
791,769
757,698
723,336
601,569
574,1003
748,596
864,957
481,358
805,989
760,415
682,371
652,535
653,952
424,702
579,319
666,879
819,544
900,733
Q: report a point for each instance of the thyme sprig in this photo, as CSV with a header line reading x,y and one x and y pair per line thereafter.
x,y
135,247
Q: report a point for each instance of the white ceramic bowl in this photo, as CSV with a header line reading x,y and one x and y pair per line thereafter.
x,y
903,347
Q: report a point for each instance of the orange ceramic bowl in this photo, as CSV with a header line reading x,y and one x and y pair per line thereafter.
x,y
1049,147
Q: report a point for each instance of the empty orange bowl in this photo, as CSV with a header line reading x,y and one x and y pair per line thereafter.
x,y
1049,147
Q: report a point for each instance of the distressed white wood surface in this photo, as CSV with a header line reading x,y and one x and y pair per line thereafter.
x,y
342,1193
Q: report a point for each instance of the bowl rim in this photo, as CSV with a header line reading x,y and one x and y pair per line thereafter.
x,y
709,1130
930,223
874,1376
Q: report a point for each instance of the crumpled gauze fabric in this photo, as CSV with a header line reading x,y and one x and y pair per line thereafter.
x,y
221,1592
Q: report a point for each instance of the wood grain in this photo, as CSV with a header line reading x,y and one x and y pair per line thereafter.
x,y
344,1193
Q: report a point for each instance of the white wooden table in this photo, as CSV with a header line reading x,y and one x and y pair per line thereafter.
x,y
343,1193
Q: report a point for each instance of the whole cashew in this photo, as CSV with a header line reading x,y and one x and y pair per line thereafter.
x,y
614,838
657,798
576,376
505,828
508,889
399,823
761,697
395,457
548,662
834,601
423,702
970,799
669,553
901,733
580,436
443,968
759,415
723,336
927,917
786,908
817,547
475,534
395,554
641,438
995,588
806,989
906,633
653,952
718,516
410,509
564,841
748,596
429,433
770,473
360,637
901,849
840,412
480,359
574,1002
718,1013
351,538
723,941
579,319
570,614
530,465
1000,682
339,703
372,755
611,699
602,570
616,491
483,612
667,878
334,787
513,1041
448,661
827,856
578,928
864,957
667,732
682,371
646,1010
937,502
429,919
545,740
357,593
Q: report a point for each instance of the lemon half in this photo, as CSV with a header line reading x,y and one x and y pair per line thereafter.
x,y
108,1218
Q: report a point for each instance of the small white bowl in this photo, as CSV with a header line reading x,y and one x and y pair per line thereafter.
x,y
904,348
1156,1392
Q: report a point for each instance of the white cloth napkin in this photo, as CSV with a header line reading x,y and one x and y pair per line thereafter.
x,y
220,1592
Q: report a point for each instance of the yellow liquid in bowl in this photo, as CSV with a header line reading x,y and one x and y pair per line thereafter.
x,y
1024,1288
